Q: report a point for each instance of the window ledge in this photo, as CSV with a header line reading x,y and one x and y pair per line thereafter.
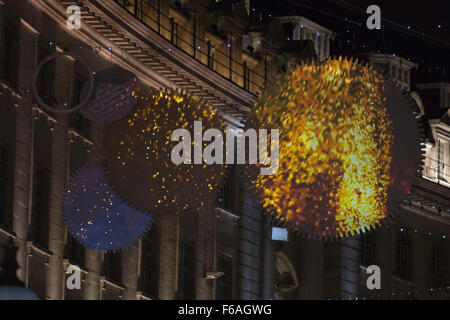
x,y
8,233
110,282
404,281
35,247
5,87
142,296
67,263
221,211
37,111
437,180
75,134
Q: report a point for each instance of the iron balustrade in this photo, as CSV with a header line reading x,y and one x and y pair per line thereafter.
x,y
190,43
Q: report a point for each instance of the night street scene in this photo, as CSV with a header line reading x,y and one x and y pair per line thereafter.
x,y
246,151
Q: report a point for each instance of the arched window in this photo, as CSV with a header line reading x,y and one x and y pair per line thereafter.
x,y
286,281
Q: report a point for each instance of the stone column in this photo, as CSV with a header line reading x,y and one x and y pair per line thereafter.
x,y
130,262
55,274
94,257
59,155
22,190
168,256
206,244
94,267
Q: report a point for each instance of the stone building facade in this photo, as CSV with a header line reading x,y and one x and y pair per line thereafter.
x,y
209,49
194,46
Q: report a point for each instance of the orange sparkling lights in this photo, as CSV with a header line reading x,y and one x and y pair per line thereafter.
x,y
336,141
140,154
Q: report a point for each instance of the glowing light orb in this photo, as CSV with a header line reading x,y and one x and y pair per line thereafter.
x,y
95,214
336,147
138,154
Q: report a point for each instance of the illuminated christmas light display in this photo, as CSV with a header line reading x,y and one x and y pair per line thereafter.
x,y
96,216
138,154
114,95
344,162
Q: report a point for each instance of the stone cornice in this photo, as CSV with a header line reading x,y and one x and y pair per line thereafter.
x,y
207,77
56,10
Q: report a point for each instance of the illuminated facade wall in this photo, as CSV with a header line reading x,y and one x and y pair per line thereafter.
x,y
39,151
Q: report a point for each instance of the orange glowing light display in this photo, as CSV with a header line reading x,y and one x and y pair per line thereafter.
x,y
336,140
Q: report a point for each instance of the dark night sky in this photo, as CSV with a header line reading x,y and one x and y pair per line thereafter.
x,y
424,43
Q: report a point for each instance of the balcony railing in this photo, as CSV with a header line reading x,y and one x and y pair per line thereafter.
x,y
218,59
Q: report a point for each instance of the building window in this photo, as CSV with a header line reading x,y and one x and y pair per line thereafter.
x,y
400,74
75,252
296,33
150,265
367,250
439,266
113,267
224,289
406,76
224,197
78,84
9,55
46,77
79,123
442,159
403,256
5,189
186,271
394,71
319,46
314,40
39,222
